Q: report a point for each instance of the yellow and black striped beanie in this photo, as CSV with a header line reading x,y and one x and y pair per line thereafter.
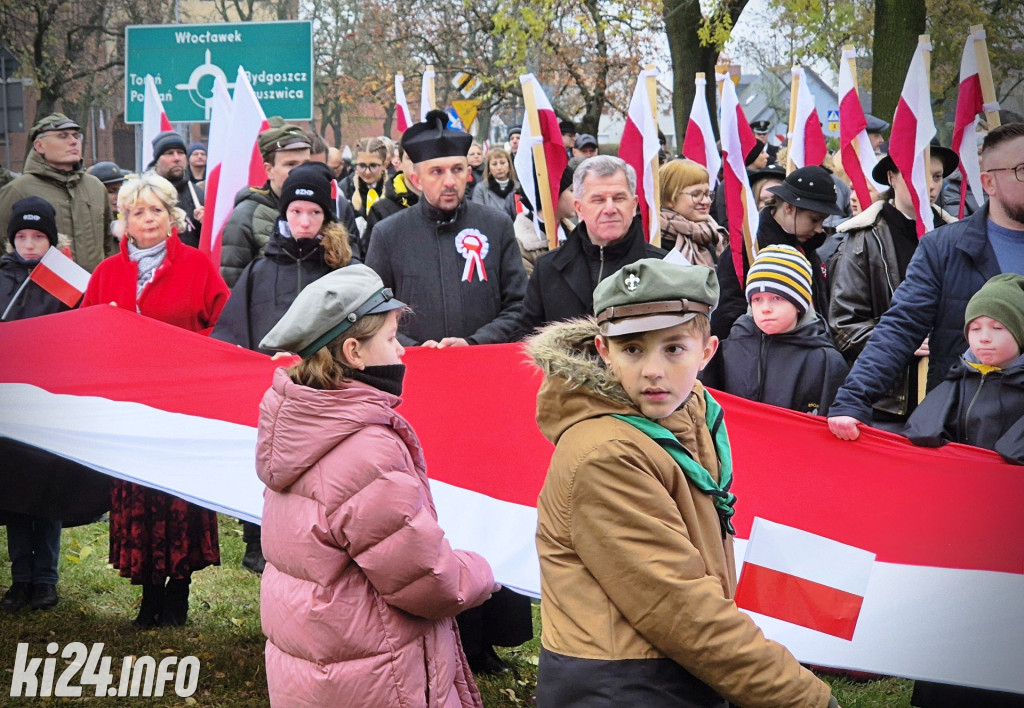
x,y
781,270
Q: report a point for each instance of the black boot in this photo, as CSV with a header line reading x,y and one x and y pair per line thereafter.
x,y
176,602
253,559
152,606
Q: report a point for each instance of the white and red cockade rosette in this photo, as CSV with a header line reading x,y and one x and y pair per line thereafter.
x,y
472,245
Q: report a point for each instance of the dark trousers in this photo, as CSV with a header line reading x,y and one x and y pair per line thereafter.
x,y
504,620
34,546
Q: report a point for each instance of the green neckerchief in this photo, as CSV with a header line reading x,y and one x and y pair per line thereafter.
x,y
719,491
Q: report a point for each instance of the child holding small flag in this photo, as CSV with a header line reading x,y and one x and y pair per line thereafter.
x,y
634,533
33,542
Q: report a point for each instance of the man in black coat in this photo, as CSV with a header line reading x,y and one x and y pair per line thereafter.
x,y
170,162
455,263
805,199
608,237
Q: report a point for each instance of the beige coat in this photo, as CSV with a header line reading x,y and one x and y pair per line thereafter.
x,y
633,561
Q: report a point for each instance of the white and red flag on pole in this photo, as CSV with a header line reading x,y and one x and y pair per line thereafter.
x,y
217,148
58,275
803,578
699,141
639,147
550,138
807,141
154,120
913,128
402,115
969,104
427,93
241,162
858,156
737,141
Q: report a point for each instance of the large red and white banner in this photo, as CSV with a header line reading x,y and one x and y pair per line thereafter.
x,y
913,127
639,147
944,597
699,141
154,120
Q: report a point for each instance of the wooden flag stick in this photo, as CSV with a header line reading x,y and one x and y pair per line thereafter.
x,y
540,168
652,93
988,88
852,61
794,88
431,96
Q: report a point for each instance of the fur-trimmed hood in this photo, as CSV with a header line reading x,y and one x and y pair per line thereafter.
x,y
577,385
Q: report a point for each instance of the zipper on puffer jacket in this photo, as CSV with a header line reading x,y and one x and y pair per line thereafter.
x,y
762,355
885,266
600,270
967,416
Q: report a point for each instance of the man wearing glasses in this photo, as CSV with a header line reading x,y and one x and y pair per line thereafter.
x,y
53,171
948,268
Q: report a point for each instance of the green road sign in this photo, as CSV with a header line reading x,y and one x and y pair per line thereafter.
x,y
185,59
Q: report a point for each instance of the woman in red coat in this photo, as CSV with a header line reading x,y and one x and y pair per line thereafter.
x,y
156,539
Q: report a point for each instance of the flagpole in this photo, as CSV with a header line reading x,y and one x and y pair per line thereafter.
x,y
652,93
922,364
431,96
794,89
988,88
14,299
540,165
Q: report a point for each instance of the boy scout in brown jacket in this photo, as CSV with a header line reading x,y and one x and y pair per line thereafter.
x,y
634,536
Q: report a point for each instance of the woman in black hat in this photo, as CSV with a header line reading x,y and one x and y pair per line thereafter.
x,y
870,264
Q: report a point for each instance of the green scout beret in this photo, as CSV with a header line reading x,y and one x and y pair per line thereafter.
x,y
283,137
1002,299
327,307
54,121
653,294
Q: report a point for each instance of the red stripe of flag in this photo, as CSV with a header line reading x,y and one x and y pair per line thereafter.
x,y
798,601
851,122
693,144
632,146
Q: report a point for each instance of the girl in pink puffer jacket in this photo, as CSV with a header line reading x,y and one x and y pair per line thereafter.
x,y
361,587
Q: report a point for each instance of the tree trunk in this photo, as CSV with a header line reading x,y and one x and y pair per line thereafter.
x,y
897,25
689,56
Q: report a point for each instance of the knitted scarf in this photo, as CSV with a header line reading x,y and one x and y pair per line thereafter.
x,y
148,260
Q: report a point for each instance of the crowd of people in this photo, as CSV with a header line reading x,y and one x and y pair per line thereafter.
x,y
433,242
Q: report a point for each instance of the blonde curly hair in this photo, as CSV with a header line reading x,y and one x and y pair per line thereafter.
x,y
149,183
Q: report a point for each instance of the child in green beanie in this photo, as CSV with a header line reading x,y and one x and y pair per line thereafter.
x,y
981,402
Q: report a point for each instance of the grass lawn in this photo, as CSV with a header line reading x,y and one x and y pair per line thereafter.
x,y
223,632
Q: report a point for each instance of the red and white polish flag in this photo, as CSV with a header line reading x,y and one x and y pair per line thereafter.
x,y
154,120
803,578
241,162
807,141
550,138
699,141
60,276
913,128
969,104
402,115
945,598
426,91
217,148
639,147
737,141
858,156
